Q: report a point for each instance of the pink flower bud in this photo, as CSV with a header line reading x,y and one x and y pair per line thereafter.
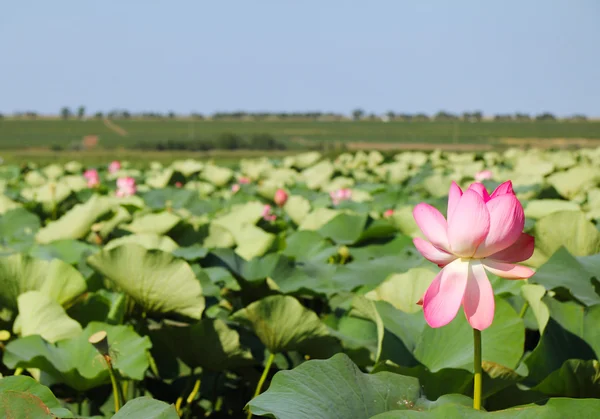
x,y
483,175
114,166
93,179
126,186
343,194
281,197
267,215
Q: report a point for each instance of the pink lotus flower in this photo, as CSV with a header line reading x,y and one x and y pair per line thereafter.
x,y
235,187
280,197
483,175
340,195
267,215
388,213
178,184
483,233
114,166
93,179
244,180
126,186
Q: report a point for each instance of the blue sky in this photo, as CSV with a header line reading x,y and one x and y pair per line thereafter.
x,y
207,56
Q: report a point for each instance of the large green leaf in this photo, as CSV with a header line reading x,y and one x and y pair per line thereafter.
x,y
397,332
362,307
146,240
41,315
317,218
556,346
451,346
370,273
563,271
218,236
209,344
297,208
193,252
21,393
187,167
48,195
146,408
156,280
100,306
104,227
575,378
554,409
69,251
283,324
318,175
252,241
216,175
76,223
540,208
434,384
159,199
159,179
581,321
240,222
570,229
336,388
76,362
18,227
403,291
344,228
533,295
569,183
7,204
159,223
14,404
308,245
20,273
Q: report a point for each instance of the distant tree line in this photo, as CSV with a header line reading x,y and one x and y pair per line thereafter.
x,y
357,115
224,141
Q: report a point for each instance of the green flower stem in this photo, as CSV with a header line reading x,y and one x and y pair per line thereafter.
x,y
54,203
117,391
524,309
263,377
477,368
192,395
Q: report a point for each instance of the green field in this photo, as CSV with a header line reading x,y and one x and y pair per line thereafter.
x,y
20,133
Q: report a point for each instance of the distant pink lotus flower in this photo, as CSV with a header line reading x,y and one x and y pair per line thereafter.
x,y
483,233
244,180
235,187
280,197
388,213
126,186
178,184
340,195
93,179
114,166
483,175
267,215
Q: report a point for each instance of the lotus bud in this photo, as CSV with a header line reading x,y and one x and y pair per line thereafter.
x,y
280,198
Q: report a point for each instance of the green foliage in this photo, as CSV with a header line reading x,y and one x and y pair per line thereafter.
x,y
199,289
